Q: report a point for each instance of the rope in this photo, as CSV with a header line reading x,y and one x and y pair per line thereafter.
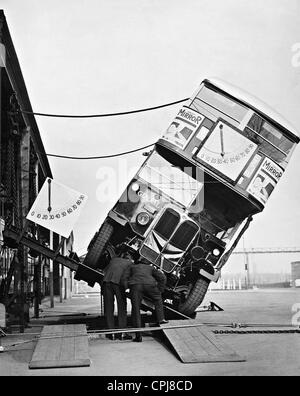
x,y
104,115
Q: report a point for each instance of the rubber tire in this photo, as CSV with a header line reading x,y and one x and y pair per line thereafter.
x,y
195,297
99,245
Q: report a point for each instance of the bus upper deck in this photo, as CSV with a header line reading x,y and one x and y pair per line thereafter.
x,y
235,138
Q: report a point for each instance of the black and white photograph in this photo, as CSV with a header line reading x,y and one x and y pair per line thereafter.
x,y
149,191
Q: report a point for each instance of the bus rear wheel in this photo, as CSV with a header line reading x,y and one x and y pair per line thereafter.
x,y
195,297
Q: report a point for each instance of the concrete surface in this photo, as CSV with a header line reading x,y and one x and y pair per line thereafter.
x,y
269,354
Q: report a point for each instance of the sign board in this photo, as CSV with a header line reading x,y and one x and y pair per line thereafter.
x,y
265,180
183,127
2,316
227,151
57,207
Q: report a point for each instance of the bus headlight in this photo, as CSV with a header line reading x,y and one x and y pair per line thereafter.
x,y
216,252
135,187
143,219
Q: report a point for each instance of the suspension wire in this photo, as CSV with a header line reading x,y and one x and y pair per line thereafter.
x,y
100,156
101,116
104,115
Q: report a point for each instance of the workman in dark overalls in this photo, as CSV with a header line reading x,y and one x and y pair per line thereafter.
x,y
111,289
143,279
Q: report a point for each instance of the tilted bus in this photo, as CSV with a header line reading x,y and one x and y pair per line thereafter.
x,y
195,195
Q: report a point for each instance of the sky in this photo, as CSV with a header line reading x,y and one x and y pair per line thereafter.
x,y
105,56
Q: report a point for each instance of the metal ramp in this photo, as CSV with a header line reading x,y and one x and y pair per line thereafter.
x,y
198,344
61,346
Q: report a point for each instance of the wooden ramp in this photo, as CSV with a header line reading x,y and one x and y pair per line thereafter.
x,y
61,346
198,344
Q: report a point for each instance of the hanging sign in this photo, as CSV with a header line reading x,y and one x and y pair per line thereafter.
x,y
57,207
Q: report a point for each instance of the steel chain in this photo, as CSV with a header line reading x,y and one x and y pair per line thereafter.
x,y
287,331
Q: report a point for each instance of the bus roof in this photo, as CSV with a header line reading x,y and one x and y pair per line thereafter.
x,y
254,103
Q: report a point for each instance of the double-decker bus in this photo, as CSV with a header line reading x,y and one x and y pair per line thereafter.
x,y
195,195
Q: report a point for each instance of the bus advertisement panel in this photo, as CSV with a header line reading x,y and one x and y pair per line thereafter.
x,y
265,180
183,127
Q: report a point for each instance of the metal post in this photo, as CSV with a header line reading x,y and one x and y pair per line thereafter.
x,y
60,275
23,186
51,273
60,249
247,268
64,250
38,267
0,124
60,269
37,287
23,284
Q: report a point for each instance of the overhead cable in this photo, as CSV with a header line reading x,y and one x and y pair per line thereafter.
x,y
103,115
100,156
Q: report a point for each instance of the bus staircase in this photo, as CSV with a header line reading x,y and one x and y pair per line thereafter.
x,y
191,340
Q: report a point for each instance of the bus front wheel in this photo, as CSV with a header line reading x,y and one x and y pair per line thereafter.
x,y
194,297
95,250
98,245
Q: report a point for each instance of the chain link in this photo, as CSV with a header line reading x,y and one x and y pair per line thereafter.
x,y
286,331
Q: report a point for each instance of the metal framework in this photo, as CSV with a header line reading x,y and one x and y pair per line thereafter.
x,y
24,274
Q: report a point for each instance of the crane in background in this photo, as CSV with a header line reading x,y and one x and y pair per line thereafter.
x,y
247,251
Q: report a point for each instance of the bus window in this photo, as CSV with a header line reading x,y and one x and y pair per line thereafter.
x,y
222,104
170,180
184,235
272,142
167,223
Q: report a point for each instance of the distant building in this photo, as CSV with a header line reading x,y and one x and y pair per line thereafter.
x,y
296,274
264,270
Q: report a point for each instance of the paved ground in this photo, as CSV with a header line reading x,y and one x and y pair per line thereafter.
x,y
269,354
